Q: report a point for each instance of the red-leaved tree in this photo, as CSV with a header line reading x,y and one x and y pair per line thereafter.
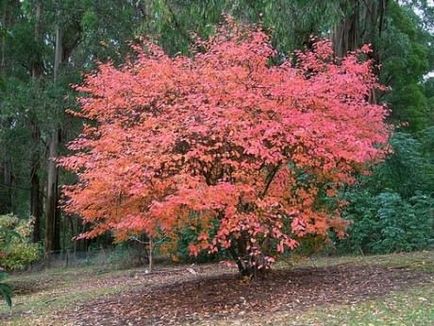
x,y
252,155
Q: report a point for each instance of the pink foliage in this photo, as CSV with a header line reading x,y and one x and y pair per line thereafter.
x,y
224,135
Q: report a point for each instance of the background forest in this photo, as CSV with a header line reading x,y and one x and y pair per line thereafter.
x,y
46,46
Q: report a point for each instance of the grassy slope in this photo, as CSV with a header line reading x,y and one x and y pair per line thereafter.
x,y
414,306
411,307
44,293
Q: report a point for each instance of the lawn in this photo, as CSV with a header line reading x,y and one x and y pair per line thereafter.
x,y
395,289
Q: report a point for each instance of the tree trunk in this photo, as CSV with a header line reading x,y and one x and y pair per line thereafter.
x,y
35,192
35,205
6,167
37,65
248,265
52,225
150,261
6,185
3,45
58,55
346,32
35,185
361,23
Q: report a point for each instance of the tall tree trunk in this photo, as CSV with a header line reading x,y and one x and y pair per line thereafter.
x,y
35,185
6,185
362,21
37,65
3,44
58,54
5,173
345,33
35,192
52,225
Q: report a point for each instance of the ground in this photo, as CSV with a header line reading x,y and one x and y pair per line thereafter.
x,y
393,289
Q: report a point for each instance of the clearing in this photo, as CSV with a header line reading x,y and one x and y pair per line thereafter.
x,y
395,289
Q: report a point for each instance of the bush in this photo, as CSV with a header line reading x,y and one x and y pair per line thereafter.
x,y
5,289
387,223
393,209
16,251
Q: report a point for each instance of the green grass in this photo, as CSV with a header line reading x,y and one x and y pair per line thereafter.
x,y
420,260
411,307
42,294
57,289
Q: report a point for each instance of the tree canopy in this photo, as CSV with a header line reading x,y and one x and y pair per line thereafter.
x,y
225,142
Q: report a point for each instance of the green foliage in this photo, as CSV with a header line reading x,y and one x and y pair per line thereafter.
x,y
386,223
186,236
5,289
405,51
290,22
178,244
409,169
16,251
393,210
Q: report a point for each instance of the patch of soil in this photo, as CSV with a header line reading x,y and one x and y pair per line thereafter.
x,y
214,293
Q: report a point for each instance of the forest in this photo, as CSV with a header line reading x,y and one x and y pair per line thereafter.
x,y
221,156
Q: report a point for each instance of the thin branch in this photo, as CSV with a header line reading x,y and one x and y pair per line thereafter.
x,y
269,180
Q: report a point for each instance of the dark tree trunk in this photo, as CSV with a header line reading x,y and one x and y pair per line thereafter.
x,y
248,265
52,225
35,188
362,22
37,64
35,184
6,179
6,186
3,42
346,32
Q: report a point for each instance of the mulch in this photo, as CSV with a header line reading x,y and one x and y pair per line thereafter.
x,y
214,293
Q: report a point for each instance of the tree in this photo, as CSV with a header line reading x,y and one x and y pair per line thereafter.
x,y
224,143
406,50
32,102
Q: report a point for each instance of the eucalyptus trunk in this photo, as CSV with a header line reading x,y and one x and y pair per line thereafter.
x,y
52,225
6,185
35,184
35,187
362,22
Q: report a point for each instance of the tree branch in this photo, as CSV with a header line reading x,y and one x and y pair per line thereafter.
x,y
269,179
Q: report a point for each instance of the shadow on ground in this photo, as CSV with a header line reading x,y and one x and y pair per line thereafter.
x,y
216,294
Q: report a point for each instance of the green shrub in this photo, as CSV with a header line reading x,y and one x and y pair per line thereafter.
x,y
5,289
393,209
387,223
16,251
186,236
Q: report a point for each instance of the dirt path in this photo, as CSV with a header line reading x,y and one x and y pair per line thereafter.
x,y
179,297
